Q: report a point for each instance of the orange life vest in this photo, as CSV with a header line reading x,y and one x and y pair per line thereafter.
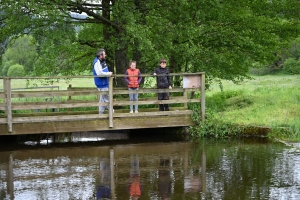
x,y
133,77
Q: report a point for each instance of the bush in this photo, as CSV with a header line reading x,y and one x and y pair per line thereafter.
x,y
291,66
212,127
16,70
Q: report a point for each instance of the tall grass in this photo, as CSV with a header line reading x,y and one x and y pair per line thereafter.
x,y
270,101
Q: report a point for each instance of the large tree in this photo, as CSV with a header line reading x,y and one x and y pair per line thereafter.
x,y
221,38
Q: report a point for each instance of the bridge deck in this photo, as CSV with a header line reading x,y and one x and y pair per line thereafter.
x,y
27,112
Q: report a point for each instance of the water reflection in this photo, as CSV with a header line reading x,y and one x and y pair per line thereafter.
x,y
104,188
165,179
135,186
238,169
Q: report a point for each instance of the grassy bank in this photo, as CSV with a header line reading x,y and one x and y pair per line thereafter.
x,y
268,101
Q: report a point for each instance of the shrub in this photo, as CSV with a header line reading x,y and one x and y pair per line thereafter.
x,y
212,127
16,70
291,66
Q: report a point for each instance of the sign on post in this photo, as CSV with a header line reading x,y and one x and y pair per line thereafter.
x,y
191,81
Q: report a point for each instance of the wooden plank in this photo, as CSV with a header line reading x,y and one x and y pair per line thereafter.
x,y
49,105
155,102
40,114
3,106
99,124
85,92
94,103
97,116
24,94
154,90
91,76
3,120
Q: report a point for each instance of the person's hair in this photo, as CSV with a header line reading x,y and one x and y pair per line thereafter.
x,y
162,60
100,52
132,62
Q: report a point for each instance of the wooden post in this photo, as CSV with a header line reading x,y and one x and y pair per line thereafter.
x,y
185,105
7,91
111,107
202,78
70,97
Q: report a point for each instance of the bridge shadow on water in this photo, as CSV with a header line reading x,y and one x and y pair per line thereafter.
x,y
93,138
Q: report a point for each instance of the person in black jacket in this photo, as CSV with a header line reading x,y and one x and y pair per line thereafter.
x,y
163,81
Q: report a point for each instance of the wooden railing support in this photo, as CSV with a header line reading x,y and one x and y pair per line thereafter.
x,y
7,91
186,96
110,94
202,77
70,97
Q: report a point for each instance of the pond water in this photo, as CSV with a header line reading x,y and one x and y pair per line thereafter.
x,y
93,167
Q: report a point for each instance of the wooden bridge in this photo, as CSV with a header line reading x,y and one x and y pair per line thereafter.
x,y
35,110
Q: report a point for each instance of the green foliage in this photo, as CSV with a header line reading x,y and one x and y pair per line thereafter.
x,y
294,49
212,127
21,51
291,66
222,38
16,70
5,67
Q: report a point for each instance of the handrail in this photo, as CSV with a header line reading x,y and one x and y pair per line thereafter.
x,y
8,94
91,76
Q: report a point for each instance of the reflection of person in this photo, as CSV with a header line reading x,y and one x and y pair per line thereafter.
x,y
133,80
135,186
163,82
164,179
100,68
103,190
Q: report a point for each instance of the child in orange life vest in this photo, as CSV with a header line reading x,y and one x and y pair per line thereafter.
x,y
133,79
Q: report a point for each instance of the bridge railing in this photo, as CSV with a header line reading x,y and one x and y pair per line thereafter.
x,y
22,105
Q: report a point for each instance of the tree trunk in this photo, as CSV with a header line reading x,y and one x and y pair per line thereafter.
x,y
137,57
107,35
121,66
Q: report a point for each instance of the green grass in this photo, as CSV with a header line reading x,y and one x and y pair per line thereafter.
x,y
271,101
62,84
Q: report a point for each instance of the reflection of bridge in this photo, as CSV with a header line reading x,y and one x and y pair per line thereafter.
x,y
38,172
21,116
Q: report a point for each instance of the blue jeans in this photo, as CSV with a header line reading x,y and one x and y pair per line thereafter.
x,y
133,97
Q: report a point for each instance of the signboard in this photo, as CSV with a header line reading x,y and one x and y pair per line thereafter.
x,y
191,81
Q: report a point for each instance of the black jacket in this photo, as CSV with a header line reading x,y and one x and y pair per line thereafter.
x,y
163,81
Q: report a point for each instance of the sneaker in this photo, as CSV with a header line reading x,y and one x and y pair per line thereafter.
x,y
136,111
131,111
